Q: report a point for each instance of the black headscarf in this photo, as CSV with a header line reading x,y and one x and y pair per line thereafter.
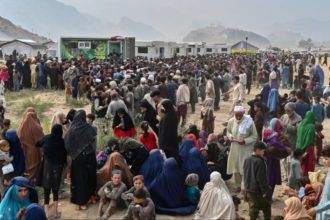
x,y
80,135
168,127
53,145
150,115
128,123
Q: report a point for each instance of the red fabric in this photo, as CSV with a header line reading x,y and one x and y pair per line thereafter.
x,y
149,141
193,138
4,74
308,162
121,133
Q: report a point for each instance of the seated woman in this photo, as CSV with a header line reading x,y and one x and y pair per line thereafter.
x,y
152,166
216,201
217,160
294,210
185,147
168,195
123,125
20,193
134,152
195,163
114,161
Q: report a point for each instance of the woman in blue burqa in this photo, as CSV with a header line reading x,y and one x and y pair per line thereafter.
x,y
20,193
168,191
152,166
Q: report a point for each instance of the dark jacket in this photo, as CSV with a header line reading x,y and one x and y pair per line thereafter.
x,y
255,175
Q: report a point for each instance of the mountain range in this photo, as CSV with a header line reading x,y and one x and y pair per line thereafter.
x,y
221,34
53,18
9,31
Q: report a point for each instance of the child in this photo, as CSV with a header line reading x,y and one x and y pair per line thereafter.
x,y
16,80
309,200
318,110
2,112
256,186
90,120
192,188
81,88
327,108
111,192
296,83
5,127
318,140
207,116
4,160
295,170
148,138
237,202
142,207
322,210
138,183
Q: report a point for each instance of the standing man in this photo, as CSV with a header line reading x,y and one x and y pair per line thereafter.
x,y
193,92
243,81
182,99
217,84
243,134
238,94
209,90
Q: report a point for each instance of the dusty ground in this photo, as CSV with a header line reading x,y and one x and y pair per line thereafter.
x,y
68,210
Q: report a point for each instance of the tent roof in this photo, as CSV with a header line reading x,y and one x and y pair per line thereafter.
x,y
243,45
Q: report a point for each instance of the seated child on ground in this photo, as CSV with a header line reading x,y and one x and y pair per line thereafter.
x,y
138,183
111,192
192,189
142,207
237,202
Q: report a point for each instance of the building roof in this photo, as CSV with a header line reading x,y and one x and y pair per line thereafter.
x,y
30,43
243,45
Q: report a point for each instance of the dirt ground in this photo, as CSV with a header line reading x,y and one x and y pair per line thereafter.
x,y
68,210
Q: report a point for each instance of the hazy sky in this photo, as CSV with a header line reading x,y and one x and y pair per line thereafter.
x,y
181,15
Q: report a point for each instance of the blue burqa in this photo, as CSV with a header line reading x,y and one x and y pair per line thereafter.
x,y
185,147
273,100
168,191
34,212
196,164
16,151
319,71
152,166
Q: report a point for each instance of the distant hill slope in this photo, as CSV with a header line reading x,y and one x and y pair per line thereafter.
x,y
53,19
220,34
285,39
9,31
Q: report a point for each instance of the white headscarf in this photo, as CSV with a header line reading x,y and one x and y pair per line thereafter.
x,y
216,201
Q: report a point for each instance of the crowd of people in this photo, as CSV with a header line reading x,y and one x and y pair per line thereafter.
x,y
153,168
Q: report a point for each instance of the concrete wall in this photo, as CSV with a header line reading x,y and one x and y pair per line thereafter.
x,y
21,48
180,49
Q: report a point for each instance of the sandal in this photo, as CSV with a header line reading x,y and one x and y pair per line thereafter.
x,y
93,199
81,207
58,215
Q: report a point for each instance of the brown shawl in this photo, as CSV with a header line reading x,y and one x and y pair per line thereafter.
x,y
114,161
29,132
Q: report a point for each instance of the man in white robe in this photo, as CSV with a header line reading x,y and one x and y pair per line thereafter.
x,y
243,134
